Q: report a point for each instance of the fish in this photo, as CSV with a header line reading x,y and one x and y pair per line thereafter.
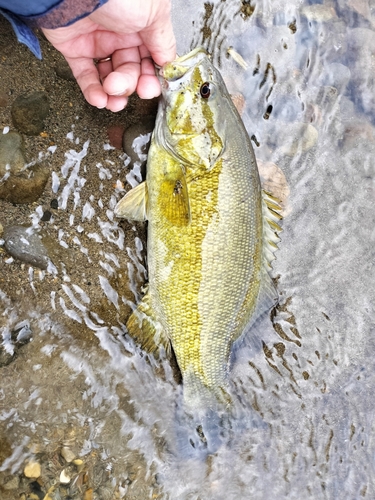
x,y
211,235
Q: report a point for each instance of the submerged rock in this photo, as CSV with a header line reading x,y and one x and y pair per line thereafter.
x,y
17,183
62,70
12,341
32,470
12,158
25,245
29,112
115,134
129,143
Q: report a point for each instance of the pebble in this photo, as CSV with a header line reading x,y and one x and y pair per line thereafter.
x,y
26,246
274,181
46,216
67,454
62,70
29,112
12,484
297,137
18,185
319,12
32,470
64,477
18,338
115,134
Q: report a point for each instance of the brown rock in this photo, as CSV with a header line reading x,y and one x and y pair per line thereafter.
x,y
29,112
62,70
115,133
25,187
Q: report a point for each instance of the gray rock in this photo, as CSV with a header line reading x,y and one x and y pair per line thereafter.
x,y
12,158
134,131
25,245
12,341
29,112
19,185
62,70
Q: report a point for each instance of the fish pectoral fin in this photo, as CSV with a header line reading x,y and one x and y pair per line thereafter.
x,y
133,205
146,330
174,198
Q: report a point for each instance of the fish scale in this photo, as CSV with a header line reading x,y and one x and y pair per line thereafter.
x,y
211,233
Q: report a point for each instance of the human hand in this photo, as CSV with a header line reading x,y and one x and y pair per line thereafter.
x,y
134,33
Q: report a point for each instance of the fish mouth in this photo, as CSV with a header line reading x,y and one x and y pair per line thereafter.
x,y
176,69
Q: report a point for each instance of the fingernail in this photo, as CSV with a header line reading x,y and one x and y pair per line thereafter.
x,y
122,92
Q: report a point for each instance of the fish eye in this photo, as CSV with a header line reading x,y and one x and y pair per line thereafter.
x,y
205,90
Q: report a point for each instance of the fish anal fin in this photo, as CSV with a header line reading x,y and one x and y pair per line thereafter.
x,y
146,330
133,205
174,197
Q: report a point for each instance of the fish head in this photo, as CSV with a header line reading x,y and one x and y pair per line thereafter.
x,y
192,110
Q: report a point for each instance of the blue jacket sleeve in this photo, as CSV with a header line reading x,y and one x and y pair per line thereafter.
x,y
44,14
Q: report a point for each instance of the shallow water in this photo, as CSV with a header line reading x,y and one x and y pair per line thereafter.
x,y
304,379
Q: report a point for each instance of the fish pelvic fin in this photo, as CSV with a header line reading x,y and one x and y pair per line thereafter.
x,y
133,205
146,330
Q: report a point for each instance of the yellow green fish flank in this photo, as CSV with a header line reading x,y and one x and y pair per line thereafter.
x,y
211,232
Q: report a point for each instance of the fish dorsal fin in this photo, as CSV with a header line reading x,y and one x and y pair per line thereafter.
x,y
267,296
174,197
271,218
133,205
145,329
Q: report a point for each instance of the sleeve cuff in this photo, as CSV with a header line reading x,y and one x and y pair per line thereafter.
x,y
64,14
23,33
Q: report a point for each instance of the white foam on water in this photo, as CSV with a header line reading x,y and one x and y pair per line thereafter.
x,y
73,299
95,237
19,454
84,297
134,177
71,313
55,182
112,232
107,267
112,257
88,211
110,292
139,144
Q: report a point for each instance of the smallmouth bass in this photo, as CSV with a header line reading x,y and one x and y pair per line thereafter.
x,y
211,230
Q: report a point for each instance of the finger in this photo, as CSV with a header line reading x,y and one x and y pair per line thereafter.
x,y
148,83
161,43
148,87
87,78
116,103
123,81
104,68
